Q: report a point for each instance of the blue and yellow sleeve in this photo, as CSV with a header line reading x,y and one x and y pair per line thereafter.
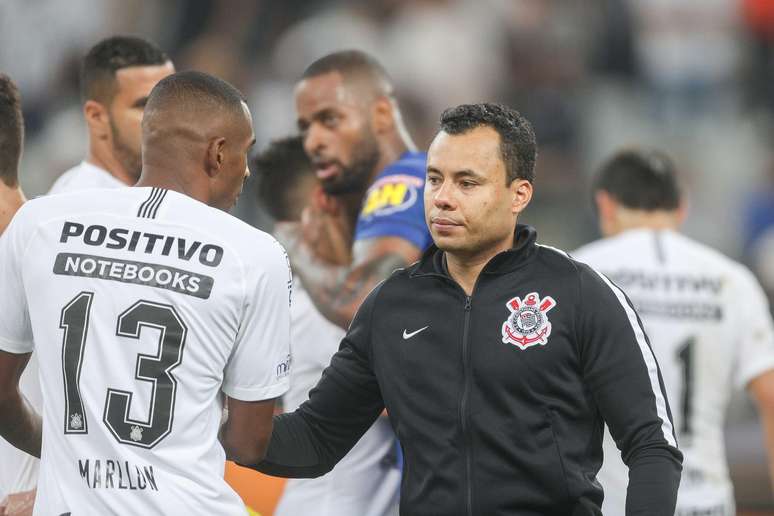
x,y
394,206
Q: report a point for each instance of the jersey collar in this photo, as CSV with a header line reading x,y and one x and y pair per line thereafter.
x,y
522,252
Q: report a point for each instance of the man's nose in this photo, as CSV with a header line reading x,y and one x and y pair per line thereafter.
x,y
314,140
443,198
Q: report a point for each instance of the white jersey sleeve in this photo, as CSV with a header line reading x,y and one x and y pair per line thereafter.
x,y
15,328
259,364
755,355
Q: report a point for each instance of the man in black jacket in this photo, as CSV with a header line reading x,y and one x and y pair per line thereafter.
x,y
497,359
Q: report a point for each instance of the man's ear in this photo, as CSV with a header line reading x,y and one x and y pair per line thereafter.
x,y
607,212
382,115
521,195
682,211
215,156
606,205
97,119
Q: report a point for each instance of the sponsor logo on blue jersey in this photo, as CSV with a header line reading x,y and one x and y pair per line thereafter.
x,y
391,194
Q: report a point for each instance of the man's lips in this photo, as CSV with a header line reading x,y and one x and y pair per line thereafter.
x,y
326,170
444,223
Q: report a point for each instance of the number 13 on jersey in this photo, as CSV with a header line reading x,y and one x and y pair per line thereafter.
x,y
155,369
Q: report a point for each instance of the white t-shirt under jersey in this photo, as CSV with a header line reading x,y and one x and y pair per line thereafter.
x,y
18,470
709,325
366,482
141,304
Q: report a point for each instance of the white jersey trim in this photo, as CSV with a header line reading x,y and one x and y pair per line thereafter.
x,y
16,347
648,357
258,393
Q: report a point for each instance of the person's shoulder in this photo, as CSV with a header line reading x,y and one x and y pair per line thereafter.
x,y
55,205
83,176
413,163
592,250
251,243
396,192
696,256
558,260
691,251
409,167
396,283
566,269
64,180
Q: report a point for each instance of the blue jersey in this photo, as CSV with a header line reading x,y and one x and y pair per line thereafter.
x,y
394,204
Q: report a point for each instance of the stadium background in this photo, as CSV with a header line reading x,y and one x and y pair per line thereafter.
x,y
694,77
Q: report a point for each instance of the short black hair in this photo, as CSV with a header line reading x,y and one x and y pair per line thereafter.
x,y
279,169
194,90
100,64
11,131
518,147
349,63
641,179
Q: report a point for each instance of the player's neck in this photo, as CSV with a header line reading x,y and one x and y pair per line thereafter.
x,y
11,199
627,220
105,160
168,176
465,268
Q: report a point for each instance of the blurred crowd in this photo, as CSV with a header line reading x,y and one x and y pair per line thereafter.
x,y
695,77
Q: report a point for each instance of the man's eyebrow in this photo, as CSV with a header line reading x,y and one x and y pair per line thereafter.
x,y
140,103
468,173
323,112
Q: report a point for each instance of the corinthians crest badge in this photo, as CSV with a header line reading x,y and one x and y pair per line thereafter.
x,y
528,324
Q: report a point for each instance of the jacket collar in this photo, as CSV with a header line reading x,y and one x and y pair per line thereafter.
x,y
523,250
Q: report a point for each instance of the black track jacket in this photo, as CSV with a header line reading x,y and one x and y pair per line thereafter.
x,y
499,398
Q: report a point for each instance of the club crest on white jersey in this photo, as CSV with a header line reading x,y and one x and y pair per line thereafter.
x,y
528,323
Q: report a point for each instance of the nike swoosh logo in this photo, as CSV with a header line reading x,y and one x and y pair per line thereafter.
x,y
407,336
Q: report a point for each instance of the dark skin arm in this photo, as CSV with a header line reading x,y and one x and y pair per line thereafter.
x,y
20,425
247,430
337,291
336,274
762,389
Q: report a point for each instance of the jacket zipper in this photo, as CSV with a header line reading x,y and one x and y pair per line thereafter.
x,y
466,367
464,405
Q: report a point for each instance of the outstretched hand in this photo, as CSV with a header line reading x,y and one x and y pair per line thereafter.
x,y
18,504
324,232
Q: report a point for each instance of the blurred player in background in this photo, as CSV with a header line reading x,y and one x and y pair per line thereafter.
x,y
11,144
144,305
117,75
373,177
366,482
706,316
18,471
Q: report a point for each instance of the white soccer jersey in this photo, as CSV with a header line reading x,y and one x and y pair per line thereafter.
x,y
141,304
709,325
83,176
366,482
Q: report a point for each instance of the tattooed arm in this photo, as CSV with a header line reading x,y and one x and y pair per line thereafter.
x,y
337,291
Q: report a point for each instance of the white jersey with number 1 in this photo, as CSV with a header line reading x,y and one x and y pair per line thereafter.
x,y
709,326
142,305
